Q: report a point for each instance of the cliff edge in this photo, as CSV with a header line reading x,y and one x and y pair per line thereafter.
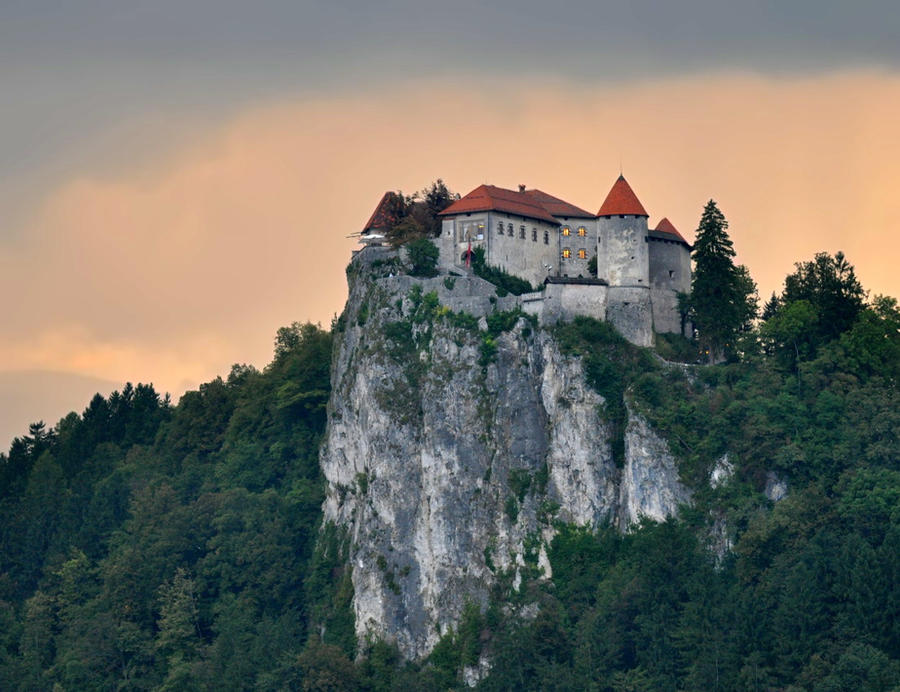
x,y
459,434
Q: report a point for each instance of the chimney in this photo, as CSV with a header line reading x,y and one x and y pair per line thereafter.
x,y
521,188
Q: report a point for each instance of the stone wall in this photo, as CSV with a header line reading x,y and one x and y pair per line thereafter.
x,y
636,312
629,310
666,318
564,302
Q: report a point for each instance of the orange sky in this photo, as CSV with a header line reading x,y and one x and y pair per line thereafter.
x,y
187,259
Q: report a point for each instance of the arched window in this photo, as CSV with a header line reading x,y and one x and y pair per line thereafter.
x,y
566,231
582,231
582,254
567,253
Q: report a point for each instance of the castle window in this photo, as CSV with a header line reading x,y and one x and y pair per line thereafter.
x,y
534,234
480,234
582,231
671,274
546,238
509,228
566,231
499,229
567,253
522,232
582,254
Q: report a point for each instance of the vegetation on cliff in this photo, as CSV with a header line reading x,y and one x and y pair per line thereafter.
x,y
151,546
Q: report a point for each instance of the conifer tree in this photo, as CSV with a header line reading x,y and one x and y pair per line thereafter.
x,y
723,296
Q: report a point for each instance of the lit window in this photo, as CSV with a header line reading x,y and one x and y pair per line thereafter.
x,y
582,254
522,232
546,238
567,253
582,231
534,234
566,231
480,234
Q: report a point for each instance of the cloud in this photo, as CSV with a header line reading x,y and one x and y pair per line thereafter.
x,y
170,272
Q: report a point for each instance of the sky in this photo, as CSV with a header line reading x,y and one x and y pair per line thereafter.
x,y
177,179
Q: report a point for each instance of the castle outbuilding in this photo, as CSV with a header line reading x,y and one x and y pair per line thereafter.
x,y
546,240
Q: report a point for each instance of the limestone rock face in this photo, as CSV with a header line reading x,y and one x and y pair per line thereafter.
x,y
650,486
447,465
776,487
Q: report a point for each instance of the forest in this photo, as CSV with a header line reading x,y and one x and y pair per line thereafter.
x,y
151,546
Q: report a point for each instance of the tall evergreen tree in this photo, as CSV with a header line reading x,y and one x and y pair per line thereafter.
x,y
723,296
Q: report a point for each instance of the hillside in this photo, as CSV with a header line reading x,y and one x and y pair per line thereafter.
x,y
501,504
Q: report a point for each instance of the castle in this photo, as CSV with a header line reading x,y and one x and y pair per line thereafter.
x,y
548,241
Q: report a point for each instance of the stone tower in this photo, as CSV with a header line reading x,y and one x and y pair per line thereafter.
x,y
623,260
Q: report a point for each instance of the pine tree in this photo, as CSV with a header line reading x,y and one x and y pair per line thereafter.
x,y
723,296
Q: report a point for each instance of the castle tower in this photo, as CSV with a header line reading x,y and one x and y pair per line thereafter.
x,y
670,274
622,255
623,260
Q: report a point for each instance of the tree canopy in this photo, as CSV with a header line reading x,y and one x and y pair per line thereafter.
x,y
417,214
821,300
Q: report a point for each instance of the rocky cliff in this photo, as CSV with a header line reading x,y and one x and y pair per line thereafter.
x,y
458,434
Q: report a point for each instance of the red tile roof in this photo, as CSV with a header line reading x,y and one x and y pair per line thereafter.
x,y
622,200
558,207
665,226
386,214
493,198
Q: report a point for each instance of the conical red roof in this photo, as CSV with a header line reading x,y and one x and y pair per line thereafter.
x,y
622,200
665,226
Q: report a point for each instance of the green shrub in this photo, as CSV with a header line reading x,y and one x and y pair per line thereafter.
x,y
505,282
488,350
519,483
363,315
423,256
677,348
511,507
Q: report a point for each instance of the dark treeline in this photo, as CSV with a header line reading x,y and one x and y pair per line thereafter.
x,y
151,546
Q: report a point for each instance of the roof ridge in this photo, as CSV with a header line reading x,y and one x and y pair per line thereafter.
x,y
488,197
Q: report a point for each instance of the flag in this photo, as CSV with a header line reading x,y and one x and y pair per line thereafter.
x,y
469,253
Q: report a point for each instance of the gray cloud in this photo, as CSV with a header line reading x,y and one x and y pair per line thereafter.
x,y
73,73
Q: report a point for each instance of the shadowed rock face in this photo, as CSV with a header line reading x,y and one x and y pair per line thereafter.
x,y
447,472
